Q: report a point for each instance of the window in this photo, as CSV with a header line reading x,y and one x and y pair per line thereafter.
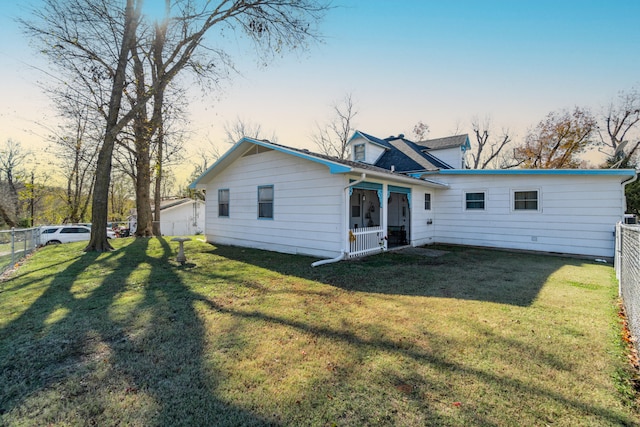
x,y
223,202
427,201
474,201
75,230
525,200
358,153
265,201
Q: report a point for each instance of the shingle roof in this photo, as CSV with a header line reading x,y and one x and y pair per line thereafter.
x,y
166,204
446,142
350,163
335,164
409,167
405,155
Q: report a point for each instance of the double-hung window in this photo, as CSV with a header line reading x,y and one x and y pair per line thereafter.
x,y
474,201
265,201
427,201
525,200
223,202
358,152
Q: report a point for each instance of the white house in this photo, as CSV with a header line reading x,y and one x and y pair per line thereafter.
x,y
178,217
396,192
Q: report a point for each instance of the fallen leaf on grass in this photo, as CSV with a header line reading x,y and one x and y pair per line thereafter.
x,y
404,388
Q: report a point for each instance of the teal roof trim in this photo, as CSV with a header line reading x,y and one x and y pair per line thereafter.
x,y
334,167
401,190
367,185
467,145
614,172
371,139
193,185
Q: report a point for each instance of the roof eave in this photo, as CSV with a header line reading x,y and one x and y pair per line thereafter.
x,y
358,134
201,181
592,172
401,178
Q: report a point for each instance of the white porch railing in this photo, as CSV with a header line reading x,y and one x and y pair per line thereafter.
x,y
365,241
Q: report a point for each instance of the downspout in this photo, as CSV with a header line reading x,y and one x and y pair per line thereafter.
x,y
624,189
343,253
616,255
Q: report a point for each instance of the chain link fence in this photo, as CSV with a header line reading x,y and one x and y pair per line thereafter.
x,y
627,262
16,244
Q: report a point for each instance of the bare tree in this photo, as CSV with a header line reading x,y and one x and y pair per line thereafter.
x,y
488,152
242,128
205,157
121,195
332,138
76,143
12,158
34,192
96,39
420,131
621,118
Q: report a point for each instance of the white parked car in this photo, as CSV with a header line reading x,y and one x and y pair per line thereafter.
x,y
56,234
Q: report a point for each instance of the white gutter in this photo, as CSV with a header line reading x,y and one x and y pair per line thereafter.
x,y
343,253
404,179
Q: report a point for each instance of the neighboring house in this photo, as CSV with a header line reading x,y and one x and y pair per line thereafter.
x,y
178,217
397,192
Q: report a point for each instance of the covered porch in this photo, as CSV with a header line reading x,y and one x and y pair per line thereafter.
x,y
379,217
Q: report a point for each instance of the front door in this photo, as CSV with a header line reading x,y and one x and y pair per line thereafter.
x,y
399,216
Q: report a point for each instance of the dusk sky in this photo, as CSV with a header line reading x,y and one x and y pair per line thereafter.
x,y
440,62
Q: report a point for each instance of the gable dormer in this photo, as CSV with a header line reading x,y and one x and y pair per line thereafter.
x,y
451,149
366,148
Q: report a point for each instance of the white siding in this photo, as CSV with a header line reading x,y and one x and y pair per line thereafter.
x,y
451,156
308,206
372,152
422,233
577,214
183,220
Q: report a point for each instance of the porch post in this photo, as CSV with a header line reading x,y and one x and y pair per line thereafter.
x,y
383,213
345,231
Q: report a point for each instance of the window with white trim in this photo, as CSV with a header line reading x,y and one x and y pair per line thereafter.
x,y
358,152
427,201
265,201
223,202
525,200
474,201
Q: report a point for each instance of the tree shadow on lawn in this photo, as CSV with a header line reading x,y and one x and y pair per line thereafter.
x,y
137,341
417,387
129,351
463,273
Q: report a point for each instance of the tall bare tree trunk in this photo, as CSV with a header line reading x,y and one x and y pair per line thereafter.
x,y
158,118
98,241
157,199
143,196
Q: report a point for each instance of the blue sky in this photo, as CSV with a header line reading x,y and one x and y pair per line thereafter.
x,y
442,62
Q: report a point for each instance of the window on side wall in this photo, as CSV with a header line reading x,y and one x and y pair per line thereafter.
x,y
427,201
223,202
358,153
525,200
265,202
474,201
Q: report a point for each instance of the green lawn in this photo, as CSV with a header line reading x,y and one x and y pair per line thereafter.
x,y
246,337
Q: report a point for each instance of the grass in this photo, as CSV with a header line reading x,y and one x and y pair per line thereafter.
x,y
246,337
